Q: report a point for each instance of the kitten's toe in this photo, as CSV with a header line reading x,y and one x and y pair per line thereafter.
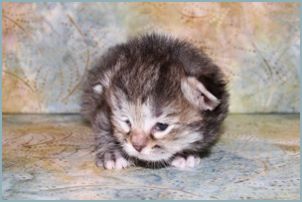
x,y
192,161
99,162
109,161
179,162
182,163
109,164
112,161
121,163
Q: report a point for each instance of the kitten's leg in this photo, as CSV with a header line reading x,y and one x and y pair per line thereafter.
x,y
108,151
182,162
109,155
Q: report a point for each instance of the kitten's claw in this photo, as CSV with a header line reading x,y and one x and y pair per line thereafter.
x,y
112,161
182,162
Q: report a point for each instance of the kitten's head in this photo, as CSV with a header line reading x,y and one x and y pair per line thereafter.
x,y
156,123
158,91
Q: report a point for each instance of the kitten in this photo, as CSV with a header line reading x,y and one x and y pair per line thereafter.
x,y
154,99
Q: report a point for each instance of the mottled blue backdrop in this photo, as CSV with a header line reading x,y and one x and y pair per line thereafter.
x,y
47,47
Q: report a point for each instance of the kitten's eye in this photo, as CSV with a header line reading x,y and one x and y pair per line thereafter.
x,y
128,122
161,126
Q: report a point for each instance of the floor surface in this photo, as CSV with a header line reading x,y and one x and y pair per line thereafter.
x,y
49,157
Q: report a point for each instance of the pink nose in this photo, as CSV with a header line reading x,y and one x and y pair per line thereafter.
x,y
139,140
138,148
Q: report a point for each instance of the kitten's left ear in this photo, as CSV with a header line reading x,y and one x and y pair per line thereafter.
x,y
197,94
98,89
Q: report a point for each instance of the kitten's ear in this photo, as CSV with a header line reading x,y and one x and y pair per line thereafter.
x,y
197,94
98,89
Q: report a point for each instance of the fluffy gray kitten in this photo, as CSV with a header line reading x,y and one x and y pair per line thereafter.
x,y
154,100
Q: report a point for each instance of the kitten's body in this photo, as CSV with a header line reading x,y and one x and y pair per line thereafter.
x,y
154,99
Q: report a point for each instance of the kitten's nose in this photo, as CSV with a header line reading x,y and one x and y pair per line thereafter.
x,y
139,141
138,148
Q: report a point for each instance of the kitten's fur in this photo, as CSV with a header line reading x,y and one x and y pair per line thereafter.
x,y
151,82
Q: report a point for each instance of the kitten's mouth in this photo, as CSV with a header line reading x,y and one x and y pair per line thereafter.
x,y
146,154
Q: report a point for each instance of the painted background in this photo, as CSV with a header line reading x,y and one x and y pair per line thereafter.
x,y
47,47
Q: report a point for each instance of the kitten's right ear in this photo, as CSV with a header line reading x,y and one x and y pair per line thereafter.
x,y
98,89
197,94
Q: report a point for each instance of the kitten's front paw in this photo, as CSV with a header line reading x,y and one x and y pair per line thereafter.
x,y
185,162
112,161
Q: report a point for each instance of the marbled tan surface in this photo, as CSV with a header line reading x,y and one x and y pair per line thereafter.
x,y
50,157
